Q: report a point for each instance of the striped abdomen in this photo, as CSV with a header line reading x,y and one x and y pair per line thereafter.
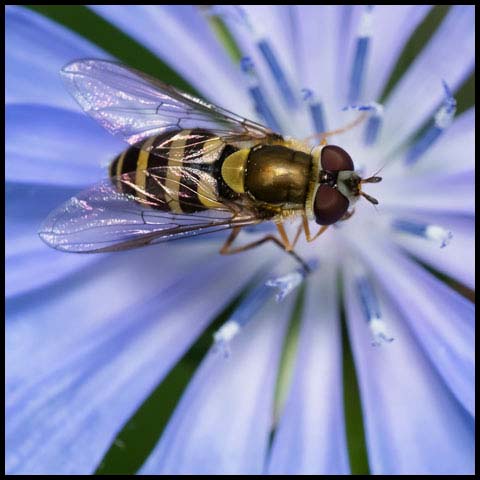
x,y
190,182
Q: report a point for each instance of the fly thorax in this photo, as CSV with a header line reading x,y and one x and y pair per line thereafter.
x,y
277,175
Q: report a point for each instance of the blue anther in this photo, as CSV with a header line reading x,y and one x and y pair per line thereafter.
x,y
357,74
246,64
422,144
358,70
257,94
307,95
289,282
373,107
368,299
254,300
372,129
316,110
278,73
248,307
449,103
414,228
371,310
441,121
262,108
435,233
375,121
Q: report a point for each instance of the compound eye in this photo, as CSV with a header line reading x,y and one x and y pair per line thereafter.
x,y
335,159
329,205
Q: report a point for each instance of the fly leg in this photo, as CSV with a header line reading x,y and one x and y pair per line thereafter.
x,y
322,136
284,244
348,215
306,228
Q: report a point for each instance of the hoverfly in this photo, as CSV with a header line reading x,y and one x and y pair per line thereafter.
x,y
193,168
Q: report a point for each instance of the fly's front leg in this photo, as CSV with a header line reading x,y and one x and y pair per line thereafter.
x,y
306,229
289,246
285,245
348,215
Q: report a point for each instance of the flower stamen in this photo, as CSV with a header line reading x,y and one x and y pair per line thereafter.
x,y
240,317
434,233
371,310
257,94
442,120
285,284
289,282
374,122
361,50
316,110
277,73
268,54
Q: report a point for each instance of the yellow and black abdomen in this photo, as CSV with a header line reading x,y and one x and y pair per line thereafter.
x,y
181,169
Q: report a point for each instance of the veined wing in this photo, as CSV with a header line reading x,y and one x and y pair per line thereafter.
x,y
134,105
102,219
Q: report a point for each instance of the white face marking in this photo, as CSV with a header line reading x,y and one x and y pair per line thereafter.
x,y
344,176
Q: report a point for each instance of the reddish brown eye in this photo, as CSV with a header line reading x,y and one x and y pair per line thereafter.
x,y
329,206
335,159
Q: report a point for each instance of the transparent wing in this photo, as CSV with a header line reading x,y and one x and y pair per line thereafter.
x,y
101,219
135,106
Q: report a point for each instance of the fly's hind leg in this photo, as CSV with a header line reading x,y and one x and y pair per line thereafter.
x,y
286,246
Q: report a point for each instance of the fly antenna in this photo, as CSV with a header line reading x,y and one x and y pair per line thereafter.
x,y
369,198
372,179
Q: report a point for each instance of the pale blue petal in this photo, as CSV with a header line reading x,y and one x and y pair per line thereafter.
x,y
310,437
442,321
181,37
48,145
392,27
36,50
28,260
223,421
83,355
347,32
413,424
316,48
449,56
446,193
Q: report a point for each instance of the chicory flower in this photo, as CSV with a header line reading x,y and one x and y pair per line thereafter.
x,y
89,337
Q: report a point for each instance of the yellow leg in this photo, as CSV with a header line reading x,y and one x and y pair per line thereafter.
x,y
283,235
284,244
306,228
324,135
348,215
